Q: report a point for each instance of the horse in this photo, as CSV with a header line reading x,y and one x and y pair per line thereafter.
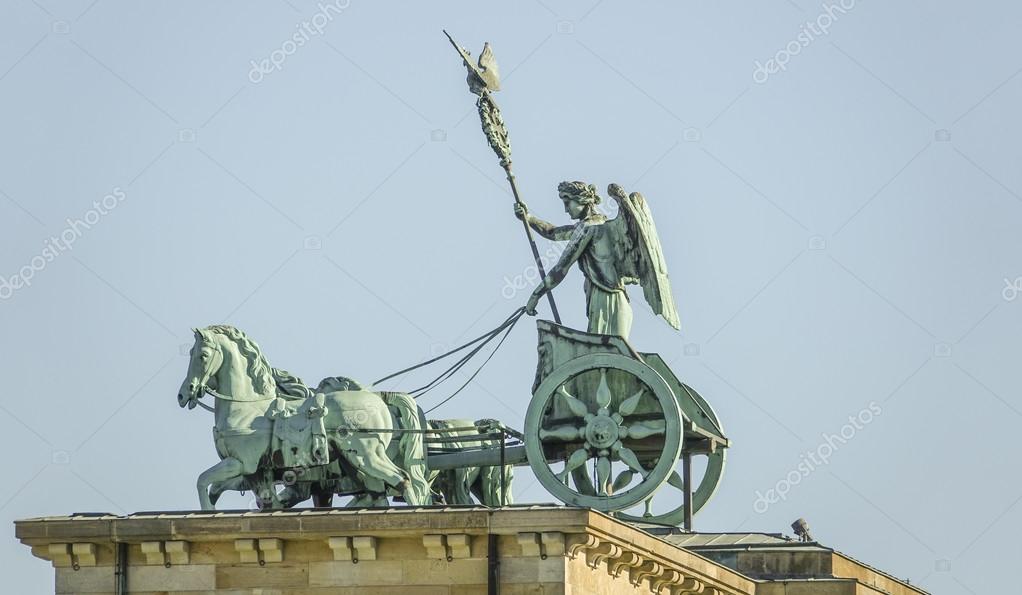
x,y
490,485
457,486
227,365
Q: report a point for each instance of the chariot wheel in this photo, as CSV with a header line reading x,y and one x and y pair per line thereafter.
x,y
613,414
704,487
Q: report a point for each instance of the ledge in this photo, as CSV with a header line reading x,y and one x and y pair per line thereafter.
x,y
333,547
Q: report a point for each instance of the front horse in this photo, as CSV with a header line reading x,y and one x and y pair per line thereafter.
x,y
228,366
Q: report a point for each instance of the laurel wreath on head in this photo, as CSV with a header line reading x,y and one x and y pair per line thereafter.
x,y
584,193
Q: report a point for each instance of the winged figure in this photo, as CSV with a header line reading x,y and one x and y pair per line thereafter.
x,y
483,76
611,254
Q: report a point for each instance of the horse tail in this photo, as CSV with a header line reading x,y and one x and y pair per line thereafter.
x,y
411,446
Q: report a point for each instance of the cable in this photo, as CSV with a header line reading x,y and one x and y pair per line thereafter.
x,y
479,369
483,339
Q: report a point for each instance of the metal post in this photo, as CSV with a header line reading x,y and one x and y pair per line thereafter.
x,y
503,475
121,569
686,471
532,244
493,565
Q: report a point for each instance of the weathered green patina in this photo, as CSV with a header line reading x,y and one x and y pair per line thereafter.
x,y
606,426
611,254
271,430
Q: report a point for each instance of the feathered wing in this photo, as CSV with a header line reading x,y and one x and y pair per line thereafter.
x,y
640,257
488,70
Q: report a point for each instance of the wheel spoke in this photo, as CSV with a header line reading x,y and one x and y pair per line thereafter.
x,y
602,474
603,394
564,433
629,405
622,481
645,429
577,459
577,406
627,456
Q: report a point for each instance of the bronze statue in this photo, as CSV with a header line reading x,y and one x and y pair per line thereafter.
x,y
611,254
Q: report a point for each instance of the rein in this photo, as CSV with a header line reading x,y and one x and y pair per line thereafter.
x,y
477,345
205,390
479,342
217,395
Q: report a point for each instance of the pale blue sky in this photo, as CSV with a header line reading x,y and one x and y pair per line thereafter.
x,y
837,235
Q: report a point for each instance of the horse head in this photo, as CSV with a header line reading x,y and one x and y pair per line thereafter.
x,y
205,359
224,360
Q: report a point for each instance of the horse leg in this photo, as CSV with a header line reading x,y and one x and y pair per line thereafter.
x,y
370,457
238,484
369,499
323,498
223,471
294,494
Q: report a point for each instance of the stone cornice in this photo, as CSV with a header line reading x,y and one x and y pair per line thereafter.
x,y
593,541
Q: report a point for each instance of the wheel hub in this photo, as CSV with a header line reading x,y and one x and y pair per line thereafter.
x,y
602,432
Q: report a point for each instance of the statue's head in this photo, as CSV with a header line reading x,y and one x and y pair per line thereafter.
x,y
580,199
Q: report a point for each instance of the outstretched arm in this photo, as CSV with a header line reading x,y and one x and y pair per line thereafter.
x,y
544,228
580,239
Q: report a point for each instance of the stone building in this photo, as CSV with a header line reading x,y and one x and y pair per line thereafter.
x,y
429,551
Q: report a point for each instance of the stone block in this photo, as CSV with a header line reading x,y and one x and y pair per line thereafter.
x,y
173,579
460,546
436,546
272,550
529,544
153,552
248,550
84,554
442,572
341,548
553,543
95,579
349,574
251,576
365,547
178,552
59,554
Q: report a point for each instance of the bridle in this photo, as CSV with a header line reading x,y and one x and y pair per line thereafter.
x,y
204,388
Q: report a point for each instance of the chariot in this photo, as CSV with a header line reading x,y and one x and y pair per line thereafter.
x,y
607,427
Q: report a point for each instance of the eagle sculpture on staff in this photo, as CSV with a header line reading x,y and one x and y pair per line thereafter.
x,y
484,75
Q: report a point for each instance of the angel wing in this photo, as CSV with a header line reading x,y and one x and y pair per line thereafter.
x,y
640,258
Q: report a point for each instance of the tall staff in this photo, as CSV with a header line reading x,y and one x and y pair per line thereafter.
x,y
484,79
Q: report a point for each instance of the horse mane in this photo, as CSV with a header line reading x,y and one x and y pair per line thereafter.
x,y
290,386
259,369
